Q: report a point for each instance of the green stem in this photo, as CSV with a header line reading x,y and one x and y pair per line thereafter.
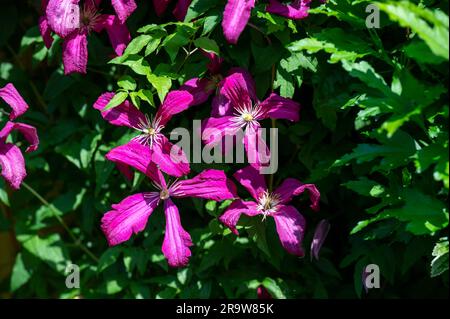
x,y
56,213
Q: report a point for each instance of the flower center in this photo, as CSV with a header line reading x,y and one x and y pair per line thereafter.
x,y
268,203
89,16
149,131
164,194
247,117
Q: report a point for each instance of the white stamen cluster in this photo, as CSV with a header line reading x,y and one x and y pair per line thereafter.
x,y
150,131
247,114
267,204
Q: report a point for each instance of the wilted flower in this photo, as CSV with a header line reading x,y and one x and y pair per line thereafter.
x,y
289,222
131,214
241,109
11,158
320,234
149,139
73,22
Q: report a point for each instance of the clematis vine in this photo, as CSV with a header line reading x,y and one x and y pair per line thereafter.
x,y
149,139
290,224
237,13
12,161
73,22
241,110
131,214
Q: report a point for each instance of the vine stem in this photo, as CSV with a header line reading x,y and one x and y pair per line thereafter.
x,y
56,213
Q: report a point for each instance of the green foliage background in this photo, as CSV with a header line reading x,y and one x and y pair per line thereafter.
x,y
373,136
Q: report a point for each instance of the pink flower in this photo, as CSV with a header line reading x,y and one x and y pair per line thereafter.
x,y
237,13
73,22
11,158
241,109
179,12
153,146
131,214
289,222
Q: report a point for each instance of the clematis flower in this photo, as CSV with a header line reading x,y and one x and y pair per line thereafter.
x,y
11,158
149,139
131,214
179,12
241,109
237,13
290,224
74,22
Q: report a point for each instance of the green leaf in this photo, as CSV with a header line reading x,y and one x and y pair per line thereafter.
x,y
162,84
274,288
117,99
137,44
430,25
108,258
20,274
208,45
439,264
49,249
126,82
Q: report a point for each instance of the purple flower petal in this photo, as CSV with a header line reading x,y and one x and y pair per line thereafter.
x,y
123,8
181,9
135,155
258,153
232,214
298,9
320,234
214,129
45,31
243,81
176,240
75,53
175,102
28,131
292,187
209,184
12,97
12,164
118,33
161,6
215,62
200,89
63,16
124,114
254,182
235,18
170,158
128,217
239,89
277,107
290,226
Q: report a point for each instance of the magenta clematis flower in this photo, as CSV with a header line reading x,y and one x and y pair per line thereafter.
x,y
289,222
241,109
11,158
131,214
179,11
237,13
73,22
149,139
